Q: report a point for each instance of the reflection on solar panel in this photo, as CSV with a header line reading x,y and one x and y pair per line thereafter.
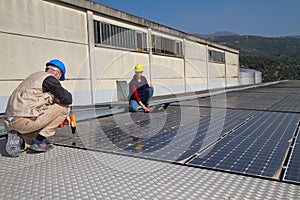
x,y
178,144
254,148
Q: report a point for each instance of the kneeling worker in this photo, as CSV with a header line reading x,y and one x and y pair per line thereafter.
x,y
36,108
140,91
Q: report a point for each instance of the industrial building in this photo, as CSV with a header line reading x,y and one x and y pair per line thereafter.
x,y
100,46
237,143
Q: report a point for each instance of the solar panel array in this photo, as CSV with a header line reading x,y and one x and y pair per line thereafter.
x,y
253,132
254,148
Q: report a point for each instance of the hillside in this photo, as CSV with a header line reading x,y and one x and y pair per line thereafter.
x,y
277,58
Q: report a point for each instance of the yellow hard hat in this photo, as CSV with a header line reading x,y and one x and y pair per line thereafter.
x,y
139,68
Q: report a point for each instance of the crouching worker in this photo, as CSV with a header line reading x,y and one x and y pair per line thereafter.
x,y
140,91
36,108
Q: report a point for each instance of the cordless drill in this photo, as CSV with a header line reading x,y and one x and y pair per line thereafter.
x,y
72,123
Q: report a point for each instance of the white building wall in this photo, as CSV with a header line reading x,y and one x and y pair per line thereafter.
x,y
216,73
167,75
232,69
250,76
195,66
247,78
216,76
36,18
258,77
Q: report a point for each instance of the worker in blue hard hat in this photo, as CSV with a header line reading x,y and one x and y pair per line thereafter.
x,y
36,108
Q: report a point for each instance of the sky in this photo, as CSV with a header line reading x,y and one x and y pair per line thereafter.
x,y
268,18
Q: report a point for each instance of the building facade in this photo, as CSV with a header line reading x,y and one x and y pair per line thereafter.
x,y
100,46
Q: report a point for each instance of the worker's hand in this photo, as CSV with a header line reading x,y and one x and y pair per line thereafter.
x,y
146,109
69,120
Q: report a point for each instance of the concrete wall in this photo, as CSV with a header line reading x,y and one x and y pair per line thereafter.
x,y
250,76
196,66
216,73
167,75
232,69
247,78
33,32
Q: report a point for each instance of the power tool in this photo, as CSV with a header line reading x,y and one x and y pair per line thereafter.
x,y
72,123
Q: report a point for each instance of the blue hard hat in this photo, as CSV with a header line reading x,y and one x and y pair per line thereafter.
x,y
60,65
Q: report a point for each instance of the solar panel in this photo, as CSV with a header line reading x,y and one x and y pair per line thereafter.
x,y
193,137
290,103
276,126
292,172
254,148
168,144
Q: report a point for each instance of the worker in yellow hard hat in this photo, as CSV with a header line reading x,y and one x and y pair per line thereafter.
x,y
140,91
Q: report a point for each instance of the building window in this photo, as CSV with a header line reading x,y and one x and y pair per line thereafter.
x,y
216,56
105,34
117,36
178,48
141,41
166,46
97,32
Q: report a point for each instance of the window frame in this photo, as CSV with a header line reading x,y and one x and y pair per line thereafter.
x,y
216,56
166,46
115,36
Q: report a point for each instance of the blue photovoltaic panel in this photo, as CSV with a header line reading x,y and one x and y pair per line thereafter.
x,y
276,126
254,148
292,172
171,144
244,155
188,139
206,137
291,103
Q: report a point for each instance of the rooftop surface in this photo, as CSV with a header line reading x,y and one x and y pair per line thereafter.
x,y
233,144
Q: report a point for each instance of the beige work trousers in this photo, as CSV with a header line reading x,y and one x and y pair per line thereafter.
x,y
45,124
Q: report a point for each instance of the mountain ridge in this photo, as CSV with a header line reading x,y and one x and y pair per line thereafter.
x,y
278,58
228,33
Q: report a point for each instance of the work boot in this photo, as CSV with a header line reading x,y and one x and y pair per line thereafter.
x,y
40,146
14,143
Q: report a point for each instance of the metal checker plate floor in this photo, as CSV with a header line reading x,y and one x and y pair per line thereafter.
x,y
70,173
